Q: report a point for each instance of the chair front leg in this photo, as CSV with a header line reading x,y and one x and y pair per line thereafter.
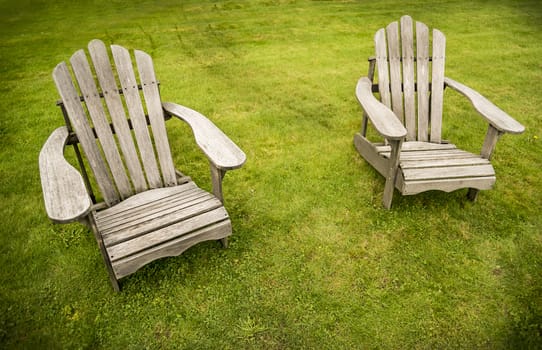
x,y
216,177
114,281
392,172
490,142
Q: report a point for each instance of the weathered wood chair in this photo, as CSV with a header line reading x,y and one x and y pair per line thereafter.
x,y
149,210
413,157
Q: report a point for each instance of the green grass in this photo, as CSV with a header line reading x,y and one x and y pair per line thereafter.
x,y
314,261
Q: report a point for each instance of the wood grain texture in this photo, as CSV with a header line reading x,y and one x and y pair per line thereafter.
x,y
368,151
147,213
133,101
110,90
219,149
381,48
149,84
131,263
407,55
493,114
93,102
437,84
382,118
72,103
423,162
394,58
422,68
64,190
158,223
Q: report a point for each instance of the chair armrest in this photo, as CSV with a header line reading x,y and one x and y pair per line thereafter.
x,y
382,118
221,151
499,119
64,192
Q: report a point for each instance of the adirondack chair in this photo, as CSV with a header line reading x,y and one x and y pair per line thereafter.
x,y
148,209
412,156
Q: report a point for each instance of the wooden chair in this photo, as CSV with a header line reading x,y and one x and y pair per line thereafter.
x,y
413,157
149,210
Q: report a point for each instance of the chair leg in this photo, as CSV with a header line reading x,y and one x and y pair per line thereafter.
x,y
472,194
114,281
388,195
224,242
392,173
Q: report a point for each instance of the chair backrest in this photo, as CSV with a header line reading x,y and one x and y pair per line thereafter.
x,y
118,119
411,77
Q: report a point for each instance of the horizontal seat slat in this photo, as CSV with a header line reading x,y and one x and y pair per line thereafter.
x,y
166,234
164,206
448,172
140,224
145,225
417,146
447,162
426,155
144,198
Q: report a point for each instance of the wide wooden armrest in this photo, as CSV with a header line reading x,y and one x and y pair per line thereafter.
x,y
382,118
220,150
493,114
64,191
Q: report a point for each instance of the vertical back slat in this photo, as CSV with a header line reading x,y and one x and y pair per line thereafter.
x,y
77,116
128,81
407,43
91,95
422,67
382,66
394,55
437,84
102,66
156,116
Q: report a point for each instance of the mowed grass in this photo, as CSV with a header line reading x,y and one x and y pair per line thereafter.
x,y
314,260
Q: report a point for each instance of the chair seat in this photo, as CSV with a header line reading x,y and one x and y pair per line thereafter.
x,y
158,223
442,166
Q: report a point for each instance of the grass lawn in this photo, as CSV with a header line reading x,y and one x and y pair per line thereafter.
x,y
314,260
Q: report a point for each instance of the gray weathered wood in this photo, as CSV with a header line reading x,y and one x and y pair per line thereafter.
x,y
93,102
156,116
425,162
394,56
70,98
161,211
143,223
437,84
217,175
493,114
422,68
219,149
391,172
446,185
130,264
110,90
64,190
132,98
169,232
407,44
382,118
367,150
382,67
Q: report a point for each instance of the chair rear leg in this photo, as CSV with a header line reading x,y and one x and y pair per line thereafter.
x,y
224,242
472,194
